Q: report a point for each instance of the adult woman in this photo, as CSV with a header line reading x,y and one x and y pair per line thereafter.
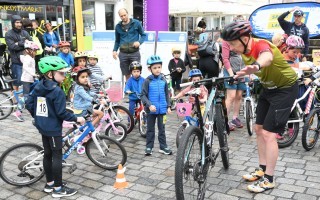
x,y
51,38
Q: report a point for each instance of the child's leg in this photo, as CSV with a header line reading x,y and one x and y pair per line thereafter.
x,y
26,89
178,82
98,114
132,105
57,160
47,158
162,133
151,120
173,82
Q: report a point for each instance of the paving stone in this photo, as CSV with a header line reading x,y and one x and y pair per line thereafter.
x,y
138,195
292,188
220,196
282,193
299,196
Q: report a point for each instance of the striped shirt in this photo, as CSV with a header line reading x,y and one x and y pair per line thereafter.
x,y
96,78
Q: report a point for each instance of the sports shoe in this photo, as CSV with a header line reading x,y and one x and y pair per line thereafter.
x,y
166,151
18,115
237,123
261,186
63,192
231,126
49,188
148,151
257,174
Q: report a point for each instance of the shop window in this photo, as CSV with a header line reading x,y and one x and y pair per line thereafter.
x,y
109,8
88,17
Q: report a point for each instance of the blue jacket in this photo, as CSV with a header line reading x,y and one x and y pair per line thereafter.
x,y
50,40
67,57
55,106
155,92
82,98
134,85
124,37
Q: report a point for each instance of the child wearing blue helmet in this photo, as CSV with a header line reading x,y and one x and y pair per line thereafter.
x,y
155,97
195,75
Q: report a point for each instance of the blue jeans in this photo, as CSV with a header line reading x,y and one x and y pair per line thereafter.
x,y
132,106
151,120
16,74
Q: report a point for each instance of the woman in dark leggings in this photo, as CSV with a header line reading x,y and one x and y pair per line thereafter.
x,y
209,68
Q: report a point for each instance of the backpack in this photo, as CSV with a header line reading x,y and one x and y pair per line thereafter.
x,y
207,45
36,40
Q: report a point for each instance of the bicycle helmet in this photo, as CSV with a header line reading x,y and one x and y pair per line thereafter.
x,y
79,69
63,44
52,63
195,72
298,13
80,54
135,65
175,49
235,30
92,55
154,60
31,45
295,42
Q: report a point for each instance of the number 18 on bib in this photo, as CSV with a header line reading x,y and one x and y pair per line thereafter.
x,y
42,109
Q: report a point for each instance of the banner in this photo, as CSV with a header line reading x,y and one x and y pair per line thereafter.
x,y
264,20
155,15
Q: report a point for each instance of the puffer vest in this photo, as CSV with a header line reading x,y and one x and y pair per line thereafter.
x,y
157,94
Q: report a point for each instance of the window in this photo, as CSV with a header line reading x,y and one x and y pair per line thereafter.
x,y
109,8
88,17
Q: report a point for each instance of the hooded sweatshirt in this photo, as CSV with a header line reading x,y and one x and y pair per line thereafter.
x,y
52,105
18,36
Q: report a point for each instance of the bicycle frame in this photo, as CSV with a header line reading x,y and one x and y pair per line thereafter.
x,y
111,122
248,98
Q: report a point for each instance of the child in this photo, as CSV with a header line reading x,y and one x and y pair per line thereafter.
x,y
176,68
156,100
195,75
28,72
80,58
134,85
65,53
47,105
97,76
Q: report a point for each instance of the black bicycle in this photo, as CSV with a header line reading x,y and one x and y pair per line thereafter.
x,y
196,155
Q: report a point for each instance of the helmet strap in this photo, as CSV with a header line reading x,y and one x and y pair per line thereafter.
x,y
244,45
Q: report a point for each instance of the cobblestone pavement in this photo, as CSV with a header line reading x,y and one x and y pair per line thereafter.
x,y
297,172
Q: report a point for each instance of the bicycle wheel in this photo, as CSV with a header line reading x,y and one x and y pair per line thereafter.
x,y
180,132
123,114
114,152
249,117
190,176
289,136
119,133
6,105
310,131
143,124
222,135
21,164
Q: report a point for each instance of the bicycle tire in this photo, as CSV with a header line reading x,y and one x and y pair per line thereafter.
x,y
117,136
143,126
249,117
124,116
190,170
3,107
288,137
180,132
16,173
114,151
309,143
222,135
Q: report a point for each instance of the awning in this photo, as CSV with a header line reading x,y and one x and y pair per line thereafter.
x,y
32,2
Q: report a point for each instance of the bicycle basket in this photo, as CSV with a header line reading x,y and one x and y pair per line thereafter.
x,y
184,109
115,92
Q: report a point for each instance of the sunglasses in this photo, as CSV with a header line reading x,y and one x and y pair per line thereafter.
x,y
63,73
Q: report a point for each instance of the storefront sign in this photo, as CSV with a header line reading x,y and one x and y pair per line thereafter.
x,y
32,9
265,23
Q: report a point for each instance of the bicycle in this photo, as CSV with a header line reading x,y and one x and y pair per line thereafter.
x,y
184,110
291,132
21,164
140,116
7,104
171,90
195,153
5,61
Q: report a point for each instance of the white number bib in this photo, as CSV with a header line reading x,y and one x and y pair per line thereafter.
x,y
42,109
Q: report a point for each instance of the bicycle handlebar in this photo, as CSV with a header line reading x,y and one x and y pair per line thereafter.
x,y
212,81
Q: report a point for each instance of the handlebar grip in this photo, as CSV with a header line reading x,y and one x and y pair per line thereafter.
x,y
186,84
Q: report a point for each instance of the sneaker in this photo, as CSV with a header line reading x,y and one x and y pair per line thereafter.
x,y
231,126
237,123
166,151
261,186
257,174
18,115
49,188
63,192
148,151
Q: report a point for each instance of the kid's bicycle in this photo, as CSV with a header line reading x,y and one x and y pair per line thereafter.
x,y
195,155
171,90
22,164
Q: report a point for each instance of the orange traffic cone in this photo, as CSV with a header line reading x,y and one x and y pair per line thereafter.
x,y
120,179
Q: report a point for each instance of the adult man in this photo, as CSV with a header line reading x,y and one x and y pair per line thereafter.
x,y
129,36
15,39
296,28
273,109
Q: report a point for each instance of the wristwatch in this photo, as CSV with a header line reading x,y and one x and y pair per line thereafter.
x,y
256,63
